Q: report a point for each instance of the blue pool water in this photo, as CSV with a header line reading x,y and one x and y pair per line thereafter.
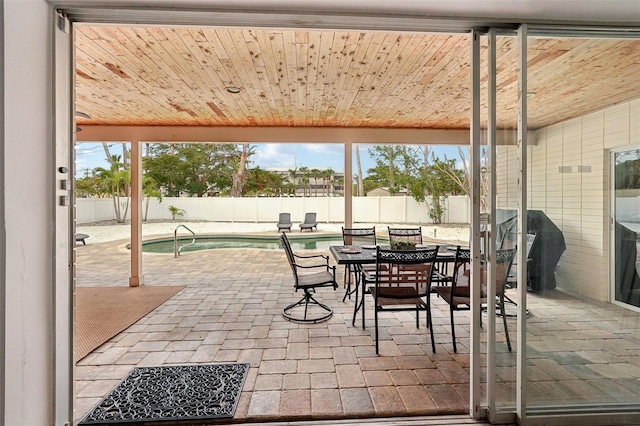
x,y
320,242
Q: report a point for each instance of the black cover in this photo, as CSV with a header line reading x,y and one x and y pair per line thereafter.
x,y
627,279
545,252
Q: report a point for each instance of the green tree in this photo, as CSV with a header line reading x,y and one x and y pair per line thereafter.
x,y
117,182
195,168
305,180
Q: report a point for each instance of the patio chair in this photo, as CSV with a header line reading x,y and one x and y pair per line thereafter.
x,y
408,235
355,237
284,222
308,282
458,295
309,222
402,283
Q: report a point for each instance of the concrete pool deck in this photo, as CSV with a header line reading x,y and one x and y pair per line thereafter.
x,y
110,231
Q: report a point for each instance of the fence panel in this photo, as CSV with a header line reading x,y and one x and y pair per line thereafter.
x,y
266,209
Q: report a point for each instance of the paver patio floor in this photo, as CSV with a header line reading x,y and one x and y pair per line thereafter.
x,y
230,311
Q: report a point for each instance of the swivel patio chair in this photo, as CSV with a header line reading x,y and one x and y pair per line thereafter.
x,y
402,283
458,295
324,276
284,222
309,222
355,237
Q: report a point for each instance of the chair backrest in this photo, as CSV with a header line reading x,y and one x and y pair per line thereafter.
x,y
310,218
287,249
284,218
409,270
413,235
503,261
358,236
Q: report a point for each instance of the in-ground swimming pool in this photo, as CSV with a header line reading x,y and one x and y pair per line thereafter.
x,y
316,242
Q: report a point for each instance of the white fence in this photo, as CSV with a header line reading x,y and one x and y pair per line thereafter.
x,y
266,209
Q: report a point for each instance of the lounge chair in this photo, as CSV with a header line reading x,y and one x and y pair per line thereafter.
x,y
284,222
309,222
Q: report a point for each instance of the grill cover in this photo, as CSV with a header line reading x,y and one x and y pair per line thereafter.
x,y
546,250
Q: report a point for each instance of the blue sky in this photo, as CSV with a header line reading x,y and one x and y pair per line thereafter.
x,y
283,155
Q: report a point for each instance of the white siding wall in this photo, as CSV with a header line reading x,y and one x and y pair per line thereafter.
x,y
577,202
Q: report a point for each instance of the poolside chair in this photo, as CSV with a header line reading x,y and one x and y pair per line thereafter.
x,y
284,222
402,283
323,275
458,295
309,222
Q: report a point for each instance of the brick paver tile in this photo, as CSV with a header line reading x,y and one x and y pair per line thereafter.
x,y
180,357
350,376
264,404
320,353
299,336
316,366
268,382
251,356
205,353
404,377
430,376
356,401
295,403
297,381
326,402
279,367
297,351
387,401
378,363
377,378
445,397
274,354
324,381
452,372
417,400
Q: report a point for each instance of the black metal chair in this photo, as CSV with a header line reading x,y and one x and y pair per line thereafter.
x,y
458,295
411,236
355,237
309,222
402,283
284,222
308,282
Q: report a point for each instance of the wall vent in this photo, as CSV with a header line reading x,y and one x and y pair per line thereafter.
x,y
564,169
584,169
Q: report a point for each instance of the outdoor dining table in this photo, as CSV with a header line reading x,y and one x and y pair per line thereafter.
x,y
366,255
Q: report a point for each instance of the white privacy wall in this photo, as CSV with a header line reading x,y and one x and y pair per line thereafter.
x,y
569,180
266,209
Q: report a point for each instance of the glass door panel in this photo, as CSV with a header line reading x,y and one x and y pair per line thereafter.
x,y
626,203
582,350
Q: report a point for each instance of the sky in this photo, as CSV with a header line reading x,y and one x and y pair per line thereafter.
x,y
270,155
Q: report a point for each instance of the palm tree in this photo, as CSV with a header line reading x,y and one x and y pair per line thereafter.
x,y
359,167
117,183
315,173
304,180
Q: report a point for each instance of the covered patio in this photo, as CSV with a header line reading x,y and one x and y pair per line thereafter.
x,y
230,311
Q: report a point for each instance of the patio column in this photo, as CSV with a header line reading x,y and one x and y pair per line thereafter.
x,y
136,277
348,185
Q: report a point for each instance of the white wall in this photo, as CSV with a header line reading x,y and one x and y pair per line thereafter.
x,y
577,202
266,209
28,163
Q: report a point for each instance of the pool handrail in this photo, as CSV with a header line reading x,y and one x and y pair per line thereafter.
x,y
176,249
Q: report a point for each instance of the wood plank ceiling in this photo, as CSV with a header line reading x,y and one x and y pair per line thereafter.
x,y
156,76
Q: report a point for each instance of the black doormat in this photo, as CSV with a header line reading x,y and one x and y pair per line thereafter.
x,y
172,393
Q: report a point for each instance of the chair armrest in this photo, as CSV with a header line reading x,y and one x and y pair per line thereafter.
x,y
311,256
